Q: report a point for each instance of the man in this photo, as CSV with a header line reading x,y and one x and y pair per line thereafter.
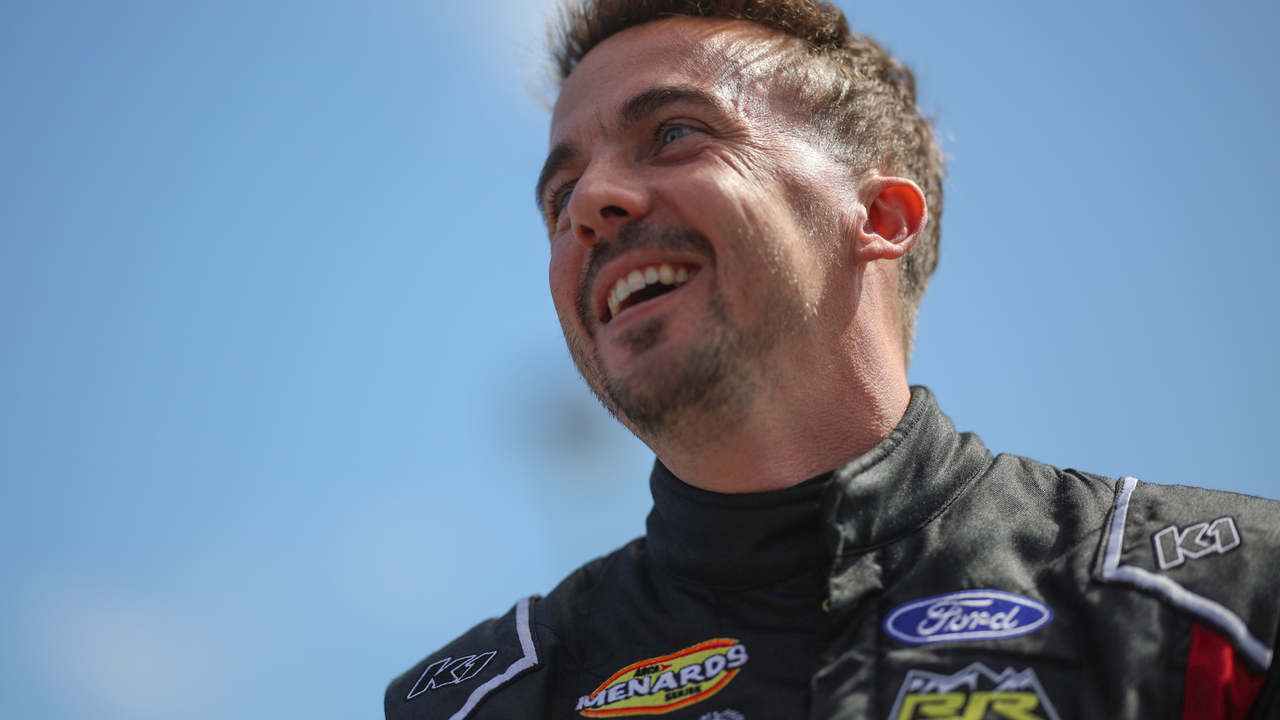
x,y
742,202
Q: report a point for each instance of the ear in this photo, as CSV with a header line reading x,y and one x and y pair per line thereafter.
x,y
895,216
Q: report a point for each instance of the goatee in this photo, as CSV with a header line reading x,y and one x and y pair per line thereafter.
x,y
710,383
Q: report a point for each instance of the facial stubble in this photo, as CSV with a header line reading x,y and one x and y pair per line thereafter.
x,y
685,395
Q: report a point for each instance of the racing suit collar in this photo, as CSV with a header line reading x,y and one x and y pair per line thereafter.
x,y
902,483
754,539
735,541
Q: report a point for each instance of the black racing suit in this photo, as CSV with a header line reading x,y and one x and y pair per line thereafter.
x,y
925,579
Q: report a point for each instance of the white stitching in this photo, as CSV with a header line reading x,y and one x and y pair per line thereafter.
x,y
1207,609
530,658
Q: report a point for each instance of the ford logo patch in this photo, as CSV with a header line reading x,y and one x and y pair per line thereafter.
x,y
966,615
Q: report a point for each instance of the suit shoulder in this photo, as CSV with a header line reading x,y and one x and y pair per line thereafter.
x,y
1068,500
455,681
1201,534
1210,553
498,668
583,584
566,610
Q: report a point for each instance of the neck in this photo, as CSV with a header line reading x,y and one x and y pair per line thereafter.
x,y
797,431
828,399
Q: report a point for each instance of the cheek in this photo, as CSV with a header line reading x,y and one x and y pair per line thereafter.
x,y
565,274
718,198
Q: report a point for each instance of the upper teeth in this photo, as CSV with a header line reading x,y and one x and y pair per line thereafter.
x,y
640,278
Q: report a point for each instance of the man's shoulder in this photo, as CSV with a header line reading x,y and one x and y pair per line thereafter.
x,y
1093,500
1193,536
1175,514
455,680
497,663
1212,554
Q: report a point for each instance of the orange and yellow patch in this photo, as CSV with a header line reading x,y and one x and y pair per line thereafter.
x,y
662,684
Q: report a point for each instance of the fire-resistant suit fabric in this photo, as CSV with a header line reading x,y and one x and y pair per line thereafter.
x,y
925,579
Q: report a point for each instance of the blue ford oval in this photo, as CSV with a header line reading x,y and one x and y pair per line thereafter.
x,y
966,615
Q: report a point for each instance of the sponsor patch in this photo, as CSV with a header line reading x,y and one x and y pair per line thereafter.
x,y
974,692
660,685
966,615
1174,546
450,671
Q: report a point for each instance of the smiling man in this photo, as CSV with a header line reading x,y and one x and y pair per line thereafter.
x,y
678,153
742,201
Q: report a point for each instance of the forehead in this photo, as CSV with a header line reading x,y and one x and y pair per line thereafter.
x,y
728,58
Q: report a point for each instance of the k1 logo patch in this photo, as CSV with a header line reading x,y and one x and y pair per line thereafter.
x,y
1174,546
966,615
660,685
450,671
974,693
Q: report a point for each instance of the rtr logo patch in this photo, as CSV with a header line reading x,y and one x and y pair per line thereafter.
x,y
1174,546
973,693
967,615
660,685
450,671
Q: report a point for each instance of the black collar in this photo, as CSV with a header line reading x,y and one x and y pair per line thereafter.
x,y
755,539
901,484
735,541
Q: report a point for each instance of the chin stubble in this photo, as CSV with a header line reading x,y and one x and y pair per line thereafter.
x,y
710,385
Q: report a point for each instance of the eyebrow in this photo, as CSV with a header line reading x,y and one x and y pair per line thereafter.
x,y
647,102
634,111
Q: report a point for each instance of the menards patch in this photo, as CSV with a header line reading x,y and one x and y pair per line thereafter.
x,y
662,684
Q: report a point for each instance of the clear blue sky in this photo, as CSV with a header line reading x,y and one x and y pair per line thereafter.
x,y
283,402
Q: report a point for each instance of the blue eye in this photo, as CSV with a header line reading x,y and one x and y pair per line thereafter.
x,y
672,134
562,200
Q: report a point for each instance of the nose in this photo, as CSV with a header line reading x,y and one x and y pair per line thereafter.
x,y
605,198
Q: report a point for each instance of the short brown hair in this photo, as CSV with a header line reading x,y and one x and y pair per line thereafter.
x,y
857,94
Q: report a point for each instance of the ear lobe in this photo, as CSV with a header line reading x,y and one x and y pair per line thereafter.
x,y
894,220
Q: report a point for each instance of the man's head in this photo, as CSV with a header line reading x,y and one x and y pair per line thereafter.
x,y
761,150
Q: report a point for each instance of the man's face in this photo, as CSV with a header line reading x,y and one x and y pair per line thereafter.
x,y
694,231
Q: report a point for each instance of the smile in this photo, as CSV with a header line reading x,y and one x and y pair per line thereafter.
x,y
646,283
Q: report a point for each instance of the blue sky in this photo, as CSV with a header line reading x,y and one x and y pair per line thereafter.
x,y
283,402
